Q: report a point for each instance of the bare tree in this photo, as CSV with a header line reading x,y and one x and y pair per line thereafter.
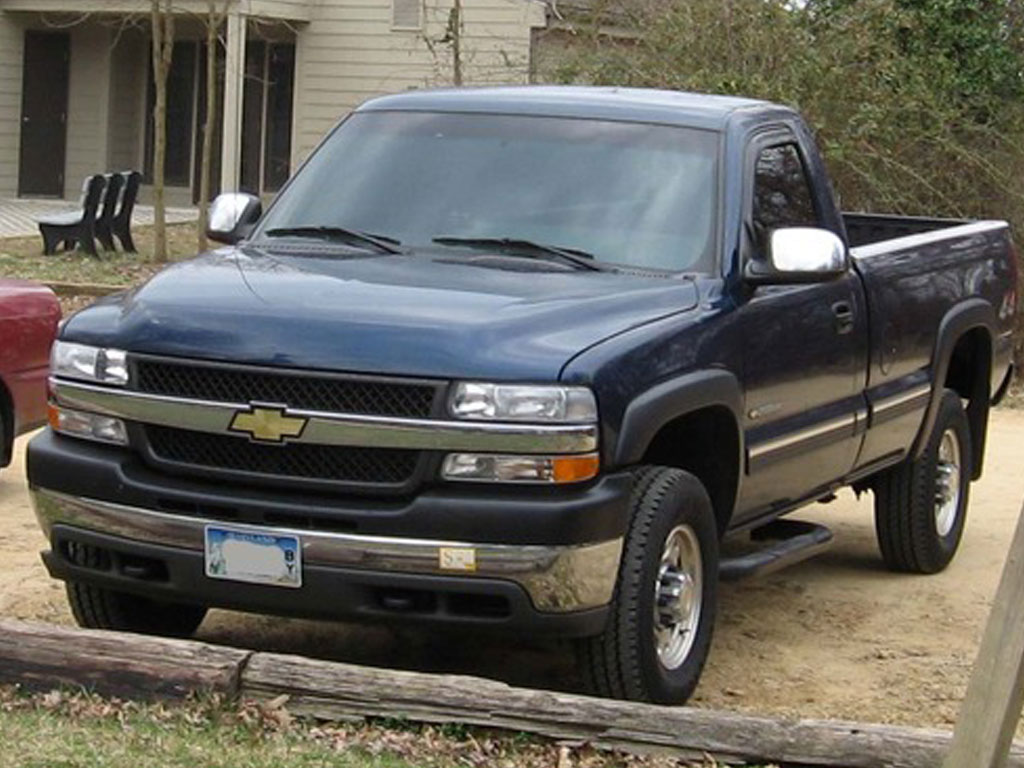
x,y
452,38
214,18
455,40
162,19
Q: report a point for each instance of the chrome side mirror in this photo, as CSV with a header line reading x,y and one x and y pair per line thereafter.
x,y
800,255
233,215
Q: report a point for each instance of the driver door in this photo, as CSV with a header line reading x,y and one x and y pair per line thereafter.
x,y
804,351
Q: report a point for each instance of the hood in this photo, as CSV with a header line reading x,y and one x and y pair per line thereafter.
x,y
417,315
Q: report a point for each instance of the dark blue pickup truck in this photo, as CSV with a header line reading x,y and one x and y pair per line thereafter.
x,y
521,358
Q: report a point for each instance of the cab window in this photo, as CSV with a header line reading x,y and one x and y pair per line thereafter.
x,y
782,196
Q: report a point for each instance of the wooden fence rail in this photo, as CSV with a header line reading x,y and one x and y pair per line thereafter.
x,y
41,657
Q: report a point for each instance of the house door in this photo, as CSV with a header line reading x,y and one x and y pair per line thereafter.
x,y
44,113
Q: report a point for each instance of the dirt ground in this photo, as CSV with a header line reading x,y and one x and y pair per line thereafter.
x,y
835,637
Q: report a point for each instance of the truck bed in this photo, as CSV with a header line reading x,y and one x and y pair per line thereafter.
x,y
868,228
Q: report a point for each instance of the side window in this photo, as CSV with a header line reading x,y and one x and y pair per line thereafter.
x,y
782,196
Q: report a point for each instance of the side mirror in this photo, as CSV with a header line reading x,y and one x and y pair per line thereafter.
x,y
800,255
233,215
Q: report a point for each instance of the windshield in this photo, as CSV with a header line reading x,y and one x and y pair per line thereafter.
x,y
627,193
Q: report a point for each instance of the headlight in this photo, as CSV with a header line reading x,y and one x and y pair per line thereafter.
x,y
491,468
523,402
91,426
79,361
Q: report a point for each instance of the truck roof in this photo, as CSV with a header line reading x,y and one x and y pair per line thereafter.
x,y
695,110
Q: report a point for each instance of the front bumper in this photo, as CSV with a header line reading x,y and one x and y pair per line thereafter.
x,y
545,561
557,579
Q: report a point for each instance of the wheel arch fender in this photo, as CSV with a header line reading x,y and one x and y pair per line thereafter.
x,y
669,401
965,317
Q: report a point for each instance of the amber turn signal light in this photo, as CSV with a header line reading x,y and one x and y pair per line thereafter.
x,y
575,469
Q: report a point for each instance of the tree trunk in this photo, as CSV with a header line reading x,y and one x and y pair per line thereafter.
x,y
163,48
212,27
456,33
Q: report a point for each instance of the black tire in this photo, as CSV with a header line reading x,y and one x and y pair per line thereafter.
x,y
623,662
100,608
906,521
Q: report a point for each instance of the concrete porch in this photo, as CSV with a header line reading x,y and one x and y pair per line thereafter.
x,y
18,216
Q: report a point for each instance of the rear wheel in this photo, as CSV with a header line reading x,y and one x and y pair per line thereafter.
x,y
921,504
658,633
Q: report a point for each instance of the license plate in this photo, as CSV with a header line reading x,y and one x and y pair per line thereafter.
x,y
257,557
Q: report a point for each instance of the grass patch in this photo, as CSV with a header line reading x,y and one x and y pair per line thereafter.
x,y
41,738
23,257
72,730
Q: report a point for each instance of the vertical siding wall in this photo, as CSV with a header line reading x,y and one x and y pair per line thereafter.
x,y
349,53
11,45
88,105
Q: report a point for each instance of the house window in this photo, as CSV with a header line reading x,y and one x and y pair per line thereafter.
x,y
181,83
186,119
267,116
277,154
407,14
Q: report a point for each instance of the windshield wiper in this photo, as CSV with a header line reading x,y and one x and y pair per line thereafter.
x,y
339,234
527,248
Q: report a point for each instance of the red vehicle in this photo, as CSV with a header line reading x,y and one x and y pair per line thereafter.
x,y
29,314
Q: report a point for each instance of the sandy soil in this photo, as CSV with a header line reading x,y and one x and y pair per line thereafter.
x,y
835,637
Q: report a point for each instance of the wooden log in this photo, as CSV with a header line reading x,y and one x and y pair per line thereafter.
x,y
42,657
39,656
340,691
991,709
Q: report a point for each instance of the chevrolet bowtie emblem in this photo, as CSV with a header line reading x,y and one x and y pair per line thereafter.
x,y
267,425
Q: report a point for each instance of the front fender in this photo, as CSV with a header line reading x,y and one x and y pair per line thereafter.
x,y
662,403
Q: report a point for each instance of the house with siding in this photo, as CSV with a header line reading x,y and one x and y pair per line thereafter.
x,y
76,88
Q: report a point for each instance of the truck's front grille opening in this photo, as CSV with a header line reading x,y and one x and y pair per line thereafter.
x,y
326,463
299,391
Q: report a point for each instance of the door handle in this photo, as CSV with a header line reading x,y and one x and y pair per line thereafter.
x,y
844,315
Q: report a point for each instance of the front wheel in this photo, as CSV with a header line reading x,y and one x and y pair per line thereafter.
x,y
658,633
101,608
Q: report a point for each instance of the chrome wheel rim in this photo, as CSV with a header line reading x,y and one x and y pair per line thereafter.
x,y
678,594
947,483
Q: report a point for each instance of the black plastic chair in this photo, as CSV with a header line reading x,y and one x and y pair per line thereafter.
x,y
121,225
76,227
105,218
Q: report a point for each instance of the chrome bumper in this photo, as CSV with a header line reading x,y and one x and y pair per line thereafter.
x,y
558,579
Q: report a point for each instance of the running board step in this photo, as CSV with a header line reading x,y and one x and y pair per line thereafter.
x,y
787,542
